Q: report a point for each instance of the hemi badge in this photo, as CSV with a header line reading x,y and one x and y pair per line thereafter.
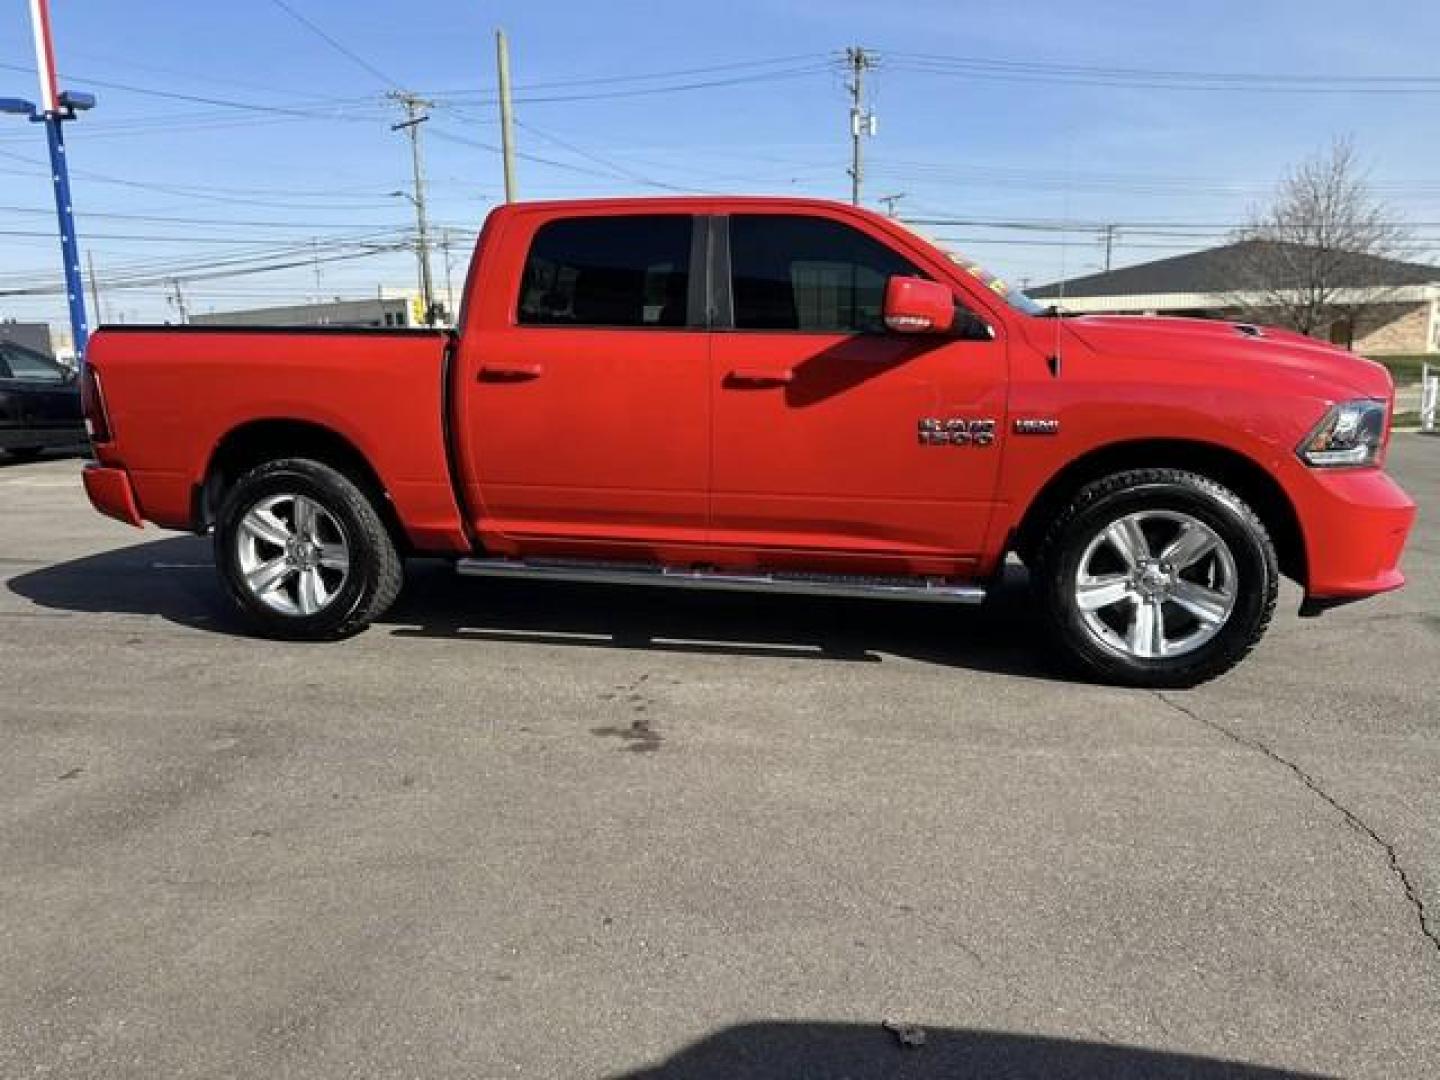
x,y
1033,426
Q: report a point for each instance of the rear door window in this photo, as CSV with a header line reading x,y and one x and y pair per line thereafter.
x,y
624,271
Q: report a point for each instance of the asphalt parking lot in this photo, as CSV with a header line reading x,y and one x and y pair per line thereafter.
x,y
547,831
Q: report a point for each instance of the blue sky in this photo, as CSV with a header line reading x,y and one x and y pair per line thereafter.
x,y
166,185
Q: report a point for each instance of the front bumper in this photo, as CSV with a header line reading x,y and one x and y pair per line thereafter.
x,y
110,492
1355,523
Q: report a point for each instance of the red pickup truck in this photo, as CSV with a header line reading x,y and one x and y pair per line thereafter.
x,y
765,394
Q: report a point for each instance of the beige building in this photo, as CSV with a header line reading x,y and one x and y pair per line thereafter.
x,y
340,313
391,308
1401,299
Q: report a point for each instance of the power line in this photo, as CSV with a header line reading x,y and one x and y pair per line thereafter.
x,y
336,45
486,98
190,76
228,103
144,238
169,219
461,140
253,247
1171,73
166,278
1135,227
613,166
206,194
673,73
1161,79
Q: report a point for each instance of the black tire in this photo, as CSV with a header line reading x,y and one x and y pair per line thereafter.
x,y
375,571
1156,492
23,454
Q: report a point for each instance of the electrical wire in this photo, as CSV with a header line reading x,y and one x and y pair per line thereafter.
x,y
489,98
614,167
199,99
112,283
342,49
602,80
1002,69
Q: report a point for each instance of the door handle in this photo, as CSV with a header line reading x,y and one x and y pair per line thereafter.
x,y
760,377
500,372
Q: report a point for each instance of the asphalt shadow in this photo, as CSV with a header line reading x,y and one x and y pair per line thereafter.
x,y
791,1050
10,461
174,578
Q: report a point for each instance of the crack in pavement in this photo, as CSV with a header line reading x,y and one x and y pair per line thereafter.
x,y
1412,895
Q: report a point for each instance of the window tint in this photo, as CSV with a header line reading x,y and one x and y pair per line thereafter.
x,y
30,366
608,271
809,274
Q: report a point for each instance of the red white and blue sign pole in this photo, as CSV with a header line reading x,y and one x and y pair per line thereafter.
x,y
54,110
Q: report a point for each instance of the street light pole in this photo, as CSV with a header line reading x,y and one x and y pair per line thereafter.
x,y
69,244
55,108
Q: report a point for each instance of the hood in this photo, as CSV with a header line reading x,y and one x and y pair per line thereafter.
x,y
1312,366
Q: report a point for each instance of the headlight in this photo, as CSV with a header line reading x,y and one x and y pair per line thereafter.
x,y
1352,433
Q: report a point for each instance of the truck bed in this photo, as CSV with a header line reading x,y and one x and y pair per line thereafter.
x,y
383,391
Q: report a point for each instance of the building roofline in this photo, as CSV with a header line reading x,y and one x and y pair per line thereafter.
x,y
1182,301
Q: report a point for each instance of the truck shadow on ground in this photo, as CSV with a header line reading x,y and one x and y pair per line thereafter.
x,y
7,461
794,1049
174,579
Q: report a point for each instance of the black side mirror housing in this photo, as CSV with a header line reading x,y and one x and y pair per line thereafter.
x,y
970,327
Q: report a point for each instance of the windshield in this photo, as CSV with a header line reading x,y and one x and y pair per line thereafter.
x,y
1000,287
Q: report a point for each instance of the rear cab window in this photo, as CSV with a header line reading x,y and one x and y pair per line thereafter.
x,y
631,271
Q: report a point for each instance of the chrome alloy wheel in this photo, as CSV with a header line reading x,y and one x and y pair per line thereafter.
x,y
1156,584
293,555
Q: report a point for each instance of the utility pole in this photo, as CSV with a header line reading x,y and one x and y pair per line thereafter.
x,y
178,299
890,201
862,120
450,307
1109,244
94,287
507,112
415,115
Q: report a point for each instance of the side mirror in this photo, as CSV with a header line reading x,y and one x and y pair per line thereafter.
x,y
916,306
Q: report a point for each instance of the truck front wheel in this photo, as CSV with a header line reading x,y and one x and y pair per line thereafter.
x,y
303,552
1157,578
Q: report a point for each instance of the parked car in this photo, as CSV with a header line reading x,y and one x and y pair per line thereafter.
x,y
765,394
39,404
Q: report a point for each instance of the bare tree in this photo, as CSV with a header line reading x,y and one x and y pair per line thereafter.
x,y
1318,255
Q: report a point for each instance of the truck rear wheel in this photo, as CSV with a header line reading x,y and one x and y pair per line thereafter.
x,y
304,553
1157,578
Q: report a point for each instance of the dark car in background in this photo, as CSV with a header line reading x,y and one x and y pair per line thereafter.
x,y
39,404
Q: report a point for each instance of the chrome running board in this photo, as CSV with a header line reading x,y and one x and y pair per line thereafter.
x,y
935,590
